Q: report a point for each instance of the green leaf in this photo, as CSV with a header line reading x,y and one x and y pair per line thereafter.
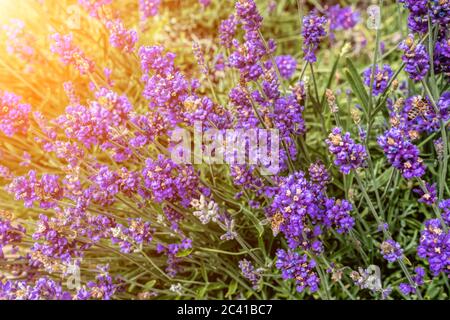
x,y
231,289
184,253
357,85
202,291
150,284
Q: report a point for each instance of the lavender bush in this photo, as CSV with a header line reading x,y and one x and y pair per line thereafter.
x,y
94,204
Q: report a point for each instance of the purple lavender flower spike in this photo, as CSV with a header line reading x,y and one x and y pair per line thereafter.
x,y
348,154
313,31
295,266
391,250
381,78
416,59
402,154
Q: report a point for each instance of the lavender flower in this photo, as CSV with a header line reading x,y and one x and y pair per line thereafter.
x,y
434,246
20,42
130,238
205,3
9,234
173,251
318,174
149,8
205,211
94,7
14,115
416,59
348,154
391,250
402,154
120,37
444,205
168,181
46,190
429,196
442,56
227,31
337,215
102,288
287,65
313,31
341,18
248,14
407,288
381,78
43,289
70,54
250,273
295,266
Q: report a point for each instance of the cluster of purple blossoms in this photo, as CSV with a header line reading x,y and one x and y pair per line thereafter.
x,y
295,266
247,118
429,196
14,115
434,246
381,78
418,115
300,209
246,176
286,65
401,153
55,245
149,8
92,125
46,190
416,59
9,234
444,205
438,10
154,59
313,31
120,37
169,181
70,152
166,87
94,7
204,110
443,105
408,289
70,54
204,3
227,30
318,174
247,57
248,14
391,250
417,20
287,116
173,251
249,272
342,18
19,42
348,154
442,56
103,288
43,289
149,126
130,238
337,215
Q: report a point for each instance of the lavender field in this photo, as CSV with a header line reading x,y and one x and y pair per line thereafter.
x,y
224,149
